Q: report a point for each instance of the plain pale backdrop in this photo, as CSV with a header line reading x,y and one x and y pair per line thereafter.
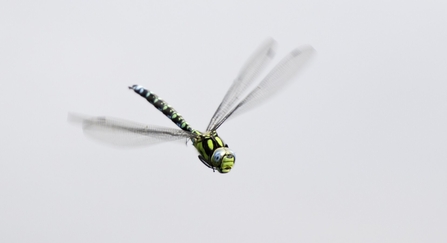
x,y
354,150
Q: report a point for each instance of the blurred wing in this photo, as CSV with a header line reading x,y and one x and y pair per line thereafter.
x,y
247,74
274,81
126,133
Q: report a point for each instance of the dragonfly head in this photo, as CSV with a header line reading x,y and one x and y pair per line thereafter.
x,y
223,159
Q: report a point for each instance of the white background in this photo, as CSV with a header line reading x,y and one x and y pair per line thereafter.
x,y
353,151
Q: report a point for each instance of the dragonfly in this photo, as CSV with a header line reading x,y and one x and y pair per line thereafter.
x,y
213,152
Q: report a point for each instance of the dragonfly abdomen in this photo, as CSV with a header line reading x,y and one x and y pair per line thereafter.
x,y
162,106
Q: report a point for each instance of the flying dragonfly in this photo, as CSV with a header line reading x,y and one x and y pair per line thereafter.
x,y
213,151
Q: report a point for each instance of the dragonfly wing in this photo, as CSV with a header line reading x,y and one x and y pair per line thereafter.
x,y
120,132
274,81
249,72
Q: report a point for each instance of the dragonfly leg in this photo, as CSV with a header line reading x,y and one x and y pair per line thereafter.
x,y
205,163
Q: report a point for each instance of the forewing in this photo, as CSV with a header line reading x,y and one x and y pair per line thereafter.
x,y
247,75
124,133
275,80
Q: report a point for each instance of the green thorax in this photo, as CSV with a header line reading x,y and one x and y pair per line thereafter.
x,y
213,152
206,143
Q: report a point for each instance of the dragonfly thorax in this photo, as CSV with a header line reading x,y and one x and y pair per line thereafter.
x,y
213,152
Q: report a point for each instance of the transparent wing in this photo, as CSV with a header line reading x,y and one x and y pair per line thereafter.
x,y
126,133
247,75
274,81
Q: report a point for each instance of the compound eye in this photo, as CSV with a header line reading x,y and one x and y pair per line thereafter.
x,y
217,157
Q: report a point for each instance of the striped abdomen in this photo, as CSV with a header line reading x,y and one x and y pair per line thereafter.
x,y
163,107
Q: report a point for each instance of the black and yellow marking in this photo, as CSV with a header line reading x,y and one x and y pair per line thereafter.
x,y
207,143
162,106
